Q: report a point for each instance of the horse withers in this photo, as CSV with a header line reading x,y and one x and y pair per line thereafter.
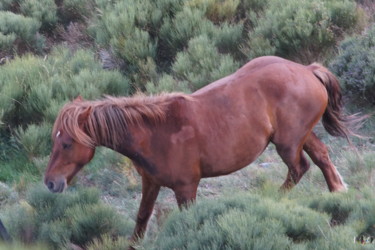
x,y
175,139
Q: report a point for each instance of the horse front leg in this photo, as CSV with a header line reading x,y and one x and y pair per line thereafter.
x,y
150,192
185,194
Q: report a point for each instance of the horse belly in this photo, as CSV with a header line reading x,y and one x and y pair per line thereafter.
x,y
226,167
233,151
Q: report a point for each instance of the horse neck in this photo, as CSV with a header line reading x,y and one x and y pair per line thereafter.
x,y
106,127
111,125
130,147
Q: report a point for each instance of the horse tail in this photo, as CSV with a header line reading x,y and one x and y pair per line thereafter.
x,y
334,120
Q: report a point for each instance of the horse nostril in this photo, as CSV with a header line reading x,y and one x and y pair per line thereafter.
x,y
50,185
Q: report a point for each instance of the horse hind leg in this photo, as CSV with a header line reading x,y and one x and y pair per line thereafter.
x,y
318,152
297,164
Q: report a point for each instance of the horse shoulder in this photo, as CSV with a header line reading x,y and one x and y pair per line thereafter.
x,y
186,132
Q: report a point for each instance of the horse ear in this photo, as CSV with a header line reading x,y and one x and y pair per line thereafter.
x,y
78,99
82,118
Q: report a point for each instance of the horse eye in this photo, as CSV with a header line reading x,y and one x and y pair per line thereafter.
x,y
66,146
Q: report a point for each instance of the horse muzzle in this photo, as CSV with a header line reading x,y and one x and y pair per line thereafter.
x,y
56,186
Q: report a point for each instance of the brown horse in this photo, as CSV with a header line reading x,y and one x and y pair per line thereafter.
x,y
174,140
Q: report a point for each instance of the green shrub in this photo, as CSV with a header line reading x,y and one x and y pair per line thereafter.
x,y
148,35
92,221
55,234
6,41
124,27
355,66
187,24
7,195
68,62
15,164
16,80
60,219
75,10
251,222
20,246
115,179
343,14
228,37
337,205
219,11
35,139
147,71
130,28
24,28
45,11
19,169
6,4
134,46
216,10
108,243
302,29
359,168
201,63
355,209
166,83
249,11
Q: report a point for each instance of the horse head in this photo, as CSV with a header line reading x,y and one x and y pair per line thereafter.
x,y
68,154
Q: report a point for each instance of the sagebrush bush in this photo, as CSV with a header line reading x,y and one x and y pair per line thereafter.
x,y
7,195
7,4
108,243
251,222
45,11
35,139
298,29
355,209
355,66
6,41
16,80
15,165
149,35
249,11
25,28
201,63
60,219
228,37
166,83
20,246
117,179
124,27
187,24
343,14
74,10
217,10
134,46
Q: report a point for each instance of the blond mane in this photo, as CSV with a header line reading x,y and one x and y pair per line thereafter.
x,y
109,118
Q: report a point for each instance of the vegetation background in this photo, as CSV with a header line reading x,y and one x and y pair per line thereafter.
x,y
53,50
